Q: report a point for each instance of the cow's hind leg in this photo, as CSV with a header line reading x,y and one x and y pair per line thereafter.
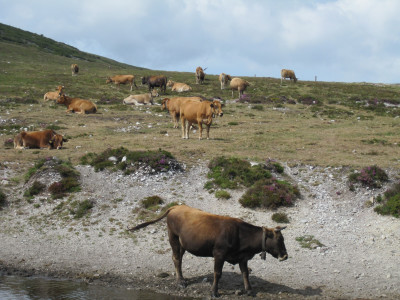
x,y
177,254
245,273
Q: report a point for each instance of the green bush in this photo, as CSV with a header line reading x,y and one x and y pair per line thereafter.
x,y
157,161
270,193
152,202
3,199
280,218
36,188
80,208
371,176
34,169
309,242
390,203
221,194
231,173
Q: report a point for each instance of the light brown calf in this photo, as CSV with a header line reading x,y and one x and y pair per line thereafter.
x,y
122,79
141,98
54,95
77,105
178,86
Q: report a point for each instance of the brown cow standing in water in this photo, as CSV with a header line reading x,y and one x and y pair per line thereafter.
x,y
224,238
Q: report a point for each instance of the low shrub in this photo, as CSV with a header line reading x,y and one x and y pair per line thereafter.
x,y
280,218
9,143
231,173
221,194
3,199
80,208
36,188
270,193
34,169
390,202
274,166
371,176
152,202
309,242
130,161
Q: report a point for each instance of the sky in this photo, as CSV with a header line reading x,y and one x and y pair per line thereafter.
x,y
335,40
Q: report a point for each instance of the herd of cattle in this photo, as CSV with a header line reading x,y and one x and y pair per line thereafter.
x,y
190,110
189,229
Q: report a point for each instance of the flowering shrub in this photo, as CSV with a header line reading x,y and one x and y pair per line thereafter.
x,y
371,176
270,193
390,203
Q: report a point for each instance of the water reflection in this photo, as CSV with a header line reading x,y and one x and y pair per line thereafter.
x,y
32,288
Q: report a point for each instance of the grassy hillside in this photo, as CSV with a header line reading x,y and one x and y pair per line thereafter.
x,y
321,123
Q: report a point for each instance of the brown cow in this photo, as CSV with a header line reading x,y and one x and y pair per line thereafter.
x,y
224,79
77,105
156,81
224,238
74,69
200,75
54,95
239,84
173,105
122,79
39,139
288,74
178,86
200,113
141,98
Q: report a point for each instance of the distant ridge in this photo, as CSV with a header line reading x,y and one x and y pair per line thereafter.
x,y
9,34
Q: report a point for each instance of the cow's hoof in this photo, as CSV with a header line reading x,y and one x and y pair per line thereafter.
x,y
182,284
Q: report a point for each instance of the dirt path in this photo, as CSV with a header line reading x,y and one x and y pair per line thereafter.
x,y
360,256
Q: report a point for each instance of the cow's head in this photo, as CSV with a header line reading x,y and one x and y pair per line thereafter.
x,y
164,103
61,98
217,108
154,93
57,141
144,80
170,83
273,243
108,80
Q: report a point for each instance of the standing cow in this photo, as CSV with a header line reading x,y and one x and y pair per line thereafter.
x,y
288,74
74,69
224,238
122,79
200,75
156,81
224,80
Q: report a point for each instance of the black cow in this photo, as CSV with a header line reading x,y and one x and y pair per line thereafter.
x,y
224,238
155,81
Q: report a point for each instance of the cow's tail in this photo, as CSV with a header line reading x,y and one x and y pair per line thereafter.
x,y
145,224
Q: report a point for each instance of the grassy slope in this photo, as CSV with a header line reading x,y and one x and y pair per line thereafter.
x,y
342,130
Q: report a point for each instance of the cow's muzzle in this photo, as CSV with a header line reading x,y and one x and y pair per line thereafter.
x,y
282,258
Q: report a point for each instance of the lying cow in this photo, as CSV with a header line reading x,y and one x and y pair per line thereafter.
x,y
39,139
54,95
224,80
173,105
288,74
141,98
156,81
178,86
201,113
224,238
122,79
74,69
77,105
200,75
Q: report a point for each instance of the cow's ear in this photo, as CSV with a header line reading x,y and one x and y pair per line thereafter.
x,y
212,105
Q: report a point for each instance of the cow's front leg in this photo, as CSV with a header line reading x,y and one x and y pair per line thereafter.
x,y
208,131
218,265
183,122
200,123
245,274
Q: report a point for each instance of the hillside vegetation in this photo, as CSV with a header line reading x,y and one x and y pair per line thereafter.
x,y
319,123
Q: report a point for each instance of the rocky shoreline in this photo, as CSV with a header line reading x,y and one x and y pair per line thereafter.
x,y
358,256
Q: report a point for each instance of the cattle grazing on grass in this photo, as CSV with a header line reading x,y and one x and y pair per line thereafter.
x,y
141,98
200,75
173,105
74,69
39,139
288,74
156,81
77,105
224,80
122,79
221,237
178,86
239,85
192,112
54,95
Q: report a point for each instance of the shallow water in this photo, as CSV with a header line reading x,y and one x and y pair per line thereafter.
x,y
35,288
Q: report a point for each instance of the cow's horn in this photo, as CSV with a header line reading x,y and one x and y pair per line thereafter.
x,y
278,229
